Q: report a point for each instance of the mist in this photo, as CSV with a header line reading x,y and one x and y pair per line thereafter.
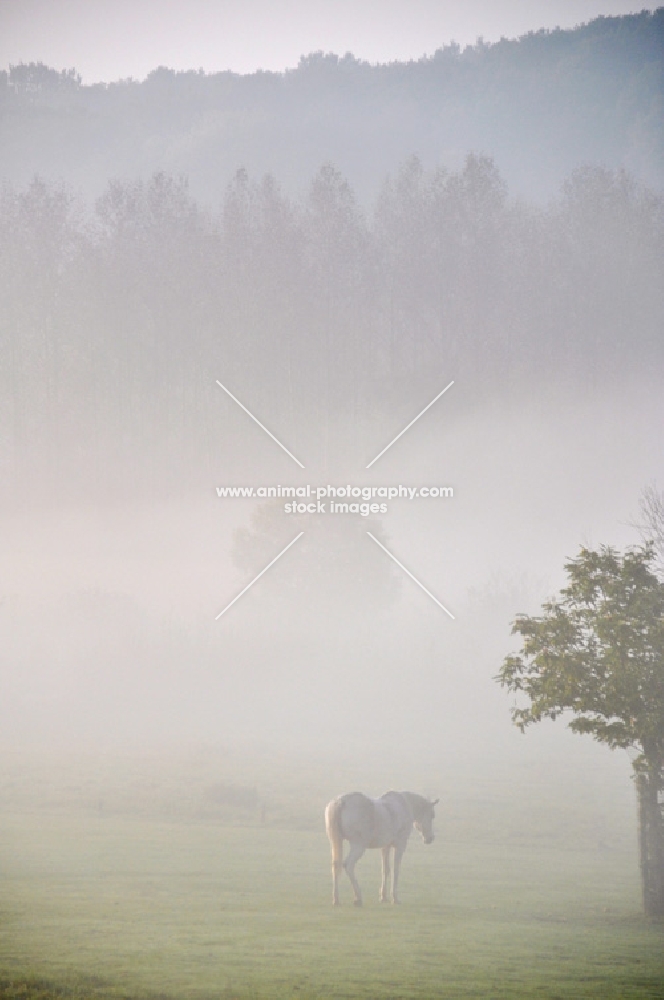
x,y
334,328
204,309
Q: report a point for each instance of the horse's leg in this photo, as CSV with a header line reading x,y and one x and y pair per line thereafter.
x,y
354,855
398,854
336,868
386,873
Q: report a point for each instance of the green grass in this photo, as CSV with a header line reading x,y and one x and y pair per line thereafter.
x,y
95,906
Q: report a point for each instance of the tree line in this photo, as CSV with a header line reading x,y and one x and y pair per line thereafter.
x,y
118,318
540,105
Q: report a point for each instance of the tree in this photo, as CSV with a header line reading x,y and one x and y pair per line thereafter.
x,y
34,79
335,564
651,523
598,652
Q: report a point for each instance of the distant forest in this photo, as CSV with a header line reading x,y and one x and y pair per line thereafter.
x,y
116,322
540,106
127,291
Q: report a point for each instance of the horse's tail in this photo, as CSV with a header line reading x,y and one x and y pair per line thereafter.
x,y
334,830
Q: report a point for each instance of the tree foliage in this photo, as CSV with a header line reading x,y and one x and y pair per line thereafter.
x,y
598,652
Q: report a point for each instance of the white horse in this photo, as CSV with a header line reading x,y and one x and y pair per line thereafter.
x,y
385,822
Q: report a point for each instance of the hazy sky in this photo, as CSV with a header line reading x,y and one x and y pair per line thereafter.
x,y
114,39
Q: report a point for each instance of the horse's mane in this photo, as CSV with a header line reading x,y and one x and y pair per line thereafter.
x,y
416,802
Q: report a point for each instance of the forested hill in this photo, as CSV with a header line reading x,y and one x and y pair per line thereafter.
x,y
540,105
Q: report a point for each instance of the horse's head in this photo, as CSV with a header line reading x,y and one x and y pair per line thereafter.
x,y
423,821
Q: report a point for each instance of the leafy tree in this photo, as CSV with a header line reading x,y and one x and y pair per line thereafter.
x,y
335,564
35,78
598,652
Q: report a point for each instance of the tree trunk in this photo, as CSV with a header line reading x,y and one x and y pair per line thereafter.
x,y
651,842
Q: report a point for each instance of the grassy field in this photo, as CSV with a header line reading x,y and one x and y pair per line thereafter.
x,y
98,905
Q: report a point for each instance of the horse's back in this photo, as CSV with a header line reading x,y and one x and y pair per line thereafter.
x,y
371,822
356,812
